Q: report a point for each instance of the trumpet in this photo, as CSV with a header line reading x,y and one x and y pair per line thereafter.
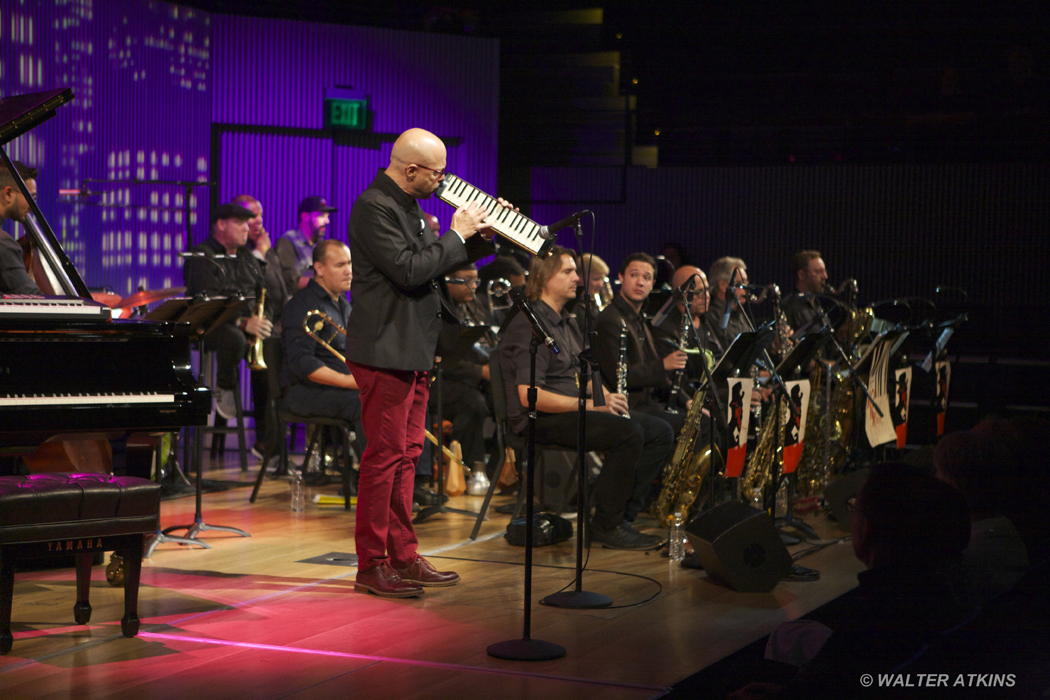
x,y
499,288
313,329
255,350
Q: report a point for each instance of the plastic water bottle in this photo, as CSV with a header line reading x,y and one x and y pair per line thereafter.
x,y
675,545
298,493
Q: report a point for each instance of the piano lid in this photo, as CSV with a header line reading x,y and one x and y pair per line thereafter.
x,y
21,113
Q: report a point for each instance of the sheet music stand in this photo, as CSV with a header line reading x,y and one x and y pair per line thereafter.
x,y
208,314
792,365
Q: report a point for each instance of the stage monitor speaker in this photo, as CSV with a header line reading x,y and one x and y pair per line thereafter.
x,y
739,547
839,491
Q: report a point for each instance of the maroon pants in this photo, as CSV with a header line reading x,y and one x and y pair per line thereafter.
x,y
393,412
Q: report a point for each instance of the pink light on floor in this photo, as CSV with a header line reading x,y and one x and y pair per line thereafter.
x,y
391,659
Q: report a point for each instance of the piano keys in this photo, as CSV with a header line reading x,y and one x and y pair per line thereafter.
x,y
68,370
514,226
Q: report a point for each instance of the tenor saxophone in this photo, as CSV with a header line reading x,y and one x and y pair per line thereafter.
x,y
689,465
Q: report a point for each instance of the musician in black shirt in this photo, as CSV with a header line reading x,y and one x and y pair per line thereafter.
x,y
464,365
646,369
239,273
316,382
635,447
13,205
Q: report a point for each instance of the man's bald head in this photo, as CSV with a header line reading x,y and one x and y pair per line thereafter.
x,y
417,162
700,296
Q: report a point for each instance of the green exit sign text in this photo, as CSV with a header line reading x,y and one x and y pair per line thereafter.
x,y
346,113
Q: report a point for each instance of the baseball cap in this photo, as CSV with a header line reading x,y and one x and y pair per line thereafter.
x,y
311,204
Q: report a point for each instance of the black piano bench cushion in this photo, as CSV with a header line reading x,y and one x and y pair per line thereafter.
x,y
44,515
41,507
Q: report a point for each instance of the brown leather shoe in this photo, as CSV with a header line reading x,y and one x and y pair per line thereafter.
x,y
382,580
422,572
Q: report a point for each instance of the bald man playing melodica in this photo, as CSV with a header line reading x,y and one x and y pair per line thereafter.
x,y
391,340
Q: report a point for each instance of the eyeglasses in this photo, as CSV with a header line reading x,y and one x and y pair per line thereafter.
x,y
439,173
471,282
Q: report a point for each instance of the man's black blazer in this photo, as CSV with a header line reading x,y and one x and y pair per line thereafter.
x,y
396,318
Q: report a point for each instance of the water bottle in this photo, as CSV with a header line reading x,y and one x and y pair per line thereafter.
x,y
298,493
675,545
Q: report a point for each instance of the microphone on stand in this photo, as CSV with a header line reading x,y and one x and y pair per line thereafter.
x,y
730,298
517,295
548,231
676,297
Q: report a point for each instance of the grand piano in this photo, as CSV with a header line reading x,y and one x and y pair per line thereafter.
x,y
68,370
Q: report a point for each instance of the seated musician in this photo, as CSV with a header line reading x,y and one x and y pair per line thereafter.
x,y
238,274
635,447
667,334
294,248
464,365
720,275
13,205
276,297
804,312
599,293
317,383
646,370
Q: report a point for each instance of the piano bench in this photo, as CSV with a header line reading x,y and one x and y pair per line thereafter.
x,y
47,515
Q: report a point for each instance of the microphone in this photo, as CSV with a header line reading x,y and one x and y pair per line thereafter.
x,y
730,298
676,297
517,295
548,231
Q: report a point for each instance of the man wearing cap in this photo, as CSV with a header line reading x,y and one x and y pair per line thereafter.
x,y
391,338
295,248
238,273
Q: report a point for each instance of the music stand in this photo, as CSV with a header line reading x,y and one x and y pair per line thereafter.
x,y
210,313
799,357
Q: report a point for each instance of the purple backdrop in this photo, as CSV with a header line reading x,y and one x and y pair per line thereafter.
x,y
168,93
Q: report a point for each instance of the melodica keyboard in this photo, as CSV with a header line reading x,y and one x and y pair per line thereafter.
x,y
514,226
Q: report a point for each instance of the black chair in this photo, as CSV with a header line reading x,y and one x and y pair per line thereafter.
x,y
281,419
220,426
505,437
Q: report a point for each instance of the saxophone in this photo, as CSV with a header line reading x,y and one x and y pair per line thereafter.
x,y
255,350
621,364
689,465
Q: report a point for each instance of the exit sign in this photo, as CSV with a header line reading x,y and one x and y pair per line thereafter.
x,y
345,109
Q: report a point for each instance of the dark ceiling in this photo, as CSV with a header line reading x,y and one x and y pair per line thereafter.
x,y
775,81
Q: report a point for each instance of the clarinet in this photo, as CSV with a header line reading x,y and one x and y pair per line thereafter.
x,y
676,378
621,365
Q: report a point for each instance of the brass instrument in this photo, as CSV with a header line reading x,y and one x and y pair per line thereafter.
x,y
688,468
255,350
318,326
757,479
604,297
499,289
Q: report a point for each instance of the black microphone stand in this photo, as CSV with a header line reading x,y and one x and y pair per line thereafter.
x,y
527,648
579,598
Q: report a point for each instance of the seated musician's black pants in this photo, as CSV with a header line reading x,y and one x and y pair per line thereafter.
x,y
230,345
465,406
328,402
635,450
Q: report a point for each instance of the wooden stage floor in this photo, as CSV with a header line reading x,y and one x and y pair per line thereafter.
x,y
249,619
